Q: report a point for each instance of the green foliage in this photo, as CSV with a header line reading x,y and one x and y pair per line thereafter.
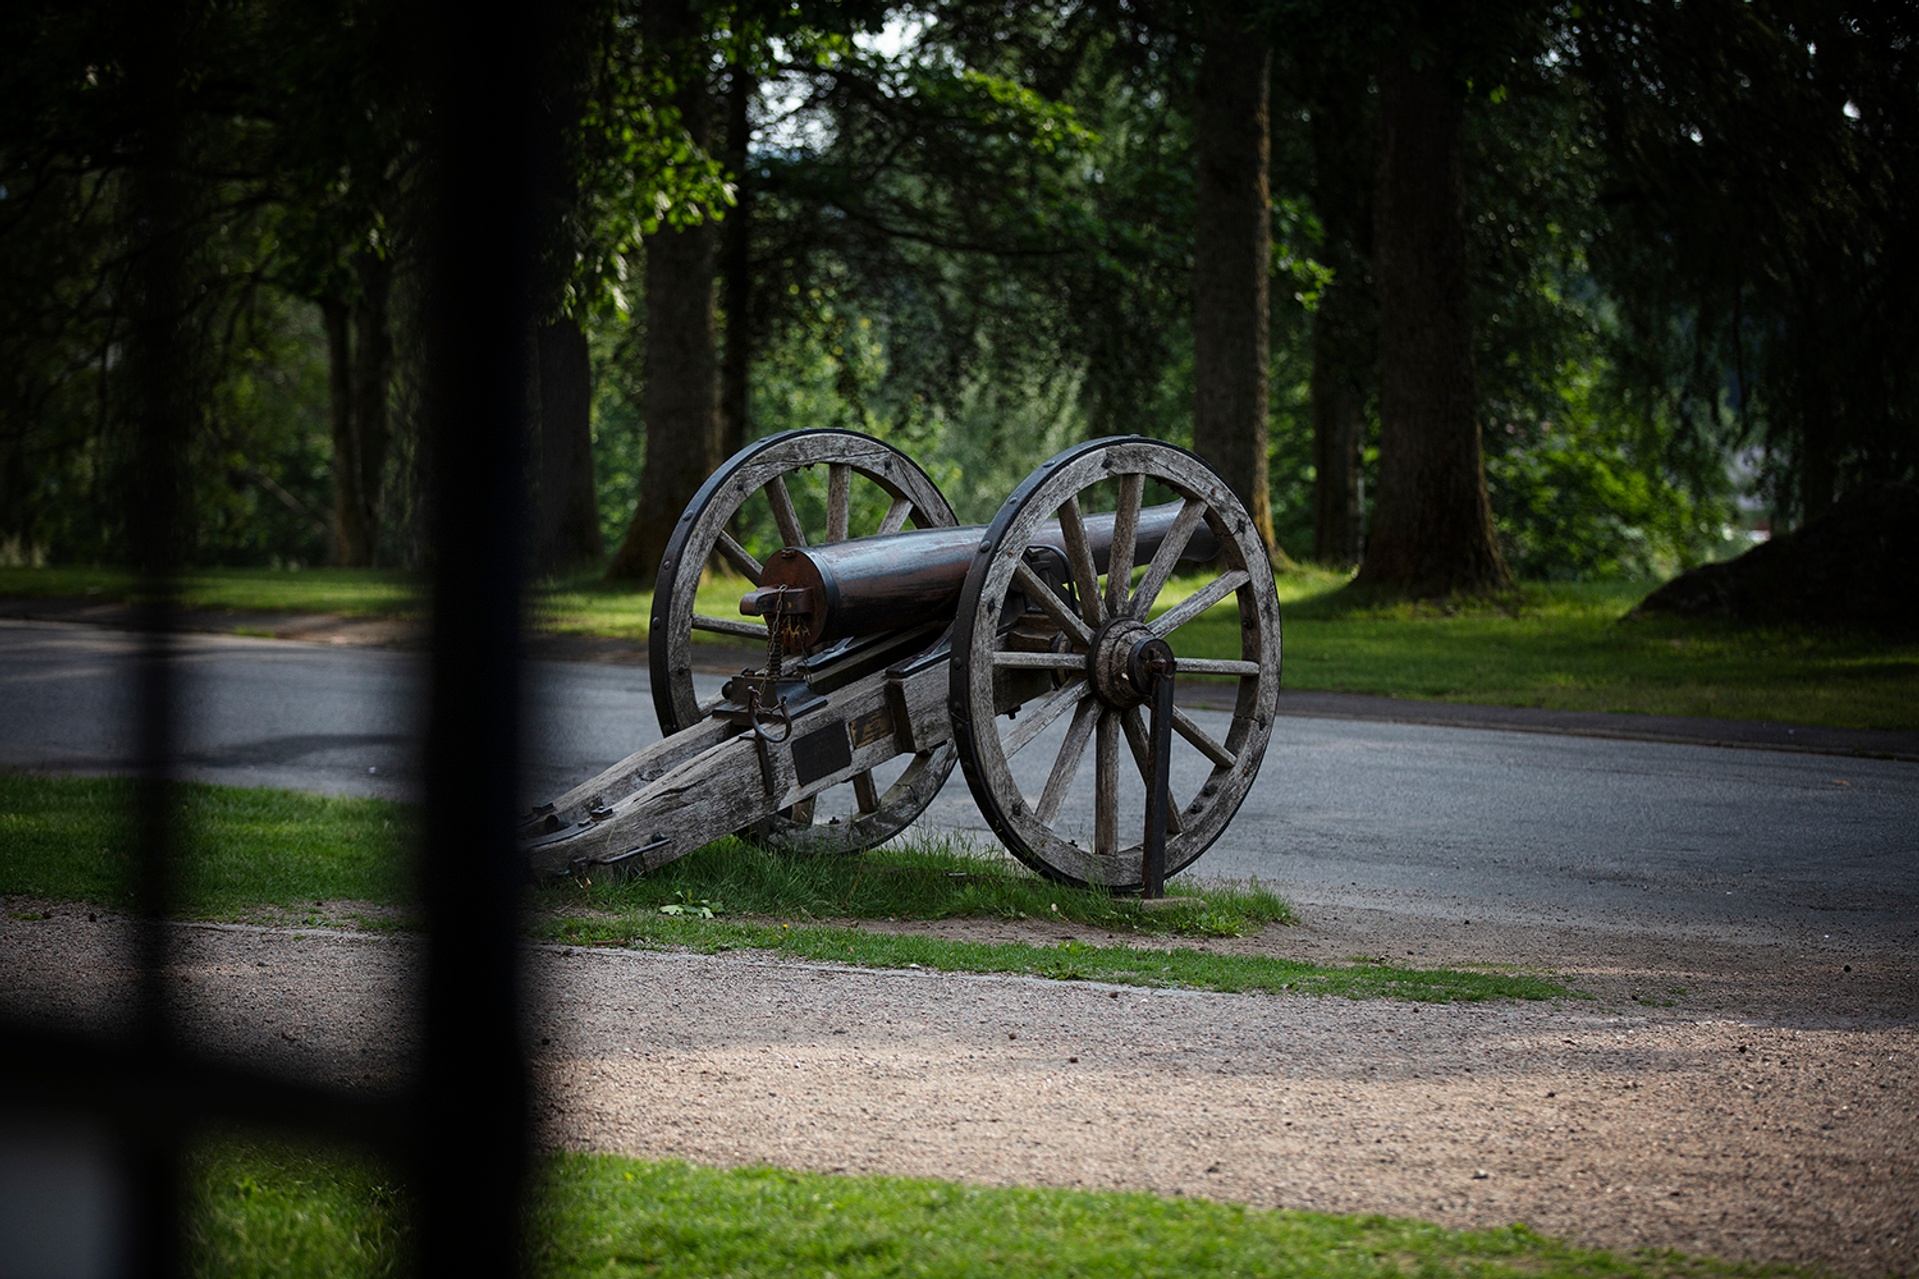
x,y
1760,237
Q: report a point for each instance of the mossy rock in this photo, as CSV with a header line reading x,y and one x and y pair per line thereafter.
x,y
1855,566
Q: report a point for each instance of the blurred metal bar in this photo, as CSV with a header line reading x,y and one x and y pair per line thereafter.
x,y
158,368
462,1131
472,1142
74,1073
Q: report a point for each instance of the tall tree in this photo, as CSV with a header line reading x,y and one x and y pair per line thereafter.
x,y
360,373
566,527
1432,525
736,258
566,521
1232,257
681,406
1344,362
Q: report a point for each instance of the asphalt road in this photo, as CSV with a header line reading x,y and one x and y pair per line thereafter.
x,y
1447,823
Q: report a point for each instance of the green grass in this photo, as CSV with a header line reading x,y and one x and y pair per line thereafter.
x,y
262,1209
1566,646
1571,647
69,838
270,1208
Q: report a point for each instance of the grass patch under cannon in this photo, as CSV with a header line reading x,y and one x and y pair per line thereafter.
x,y
259,1207
918,880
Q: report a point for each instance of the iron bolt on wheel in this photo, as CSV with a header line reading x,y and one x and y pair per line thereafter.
x,y
798,488
1043,662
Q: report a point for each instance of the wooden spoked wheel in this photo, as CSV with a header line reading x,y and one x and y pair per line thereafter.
x,y
803,488
1033,664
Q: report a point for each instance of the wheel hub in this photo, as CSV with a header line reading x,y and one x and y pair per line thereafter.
x,y
1109,662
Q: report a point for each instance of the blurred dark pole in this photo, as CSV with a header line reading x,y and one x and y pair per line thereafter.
x,y
471,1158
159,409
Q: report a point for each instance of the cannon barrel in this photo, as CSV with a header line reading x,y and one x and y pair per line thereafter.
x,y
874,584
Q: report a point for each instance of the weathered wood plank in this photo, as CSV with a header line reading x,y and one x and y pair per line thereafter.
x,y
1199,601
1066,764
1166,559
784,516
740,558
1119,562
1039,593
1079,557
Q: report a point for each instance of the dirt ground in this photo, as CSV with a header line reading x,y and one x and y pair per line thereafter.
x,y
1750,1098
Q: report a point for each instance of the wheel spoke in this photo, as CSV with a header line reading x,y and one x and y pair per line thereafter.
x,y
740,558
1079,557
783,513
1119,564
1135,725
802,812
1040,715
1167,557
1038,592
1042,661
728,626
1216,666
1106,787
839,497
896,516
1066,765
1183,725
866,792
1198,602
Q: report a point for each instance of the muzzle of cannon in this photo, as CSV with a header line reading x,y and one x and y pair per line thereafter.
x,y
1015,649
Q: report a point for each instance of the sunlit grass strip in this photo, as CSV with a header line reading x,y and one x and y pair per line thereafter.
x,y
1182,967
350,592
68,838
258,1209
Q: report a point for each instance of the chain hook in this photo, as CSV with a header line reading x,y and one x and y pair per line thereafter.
x,y
761,701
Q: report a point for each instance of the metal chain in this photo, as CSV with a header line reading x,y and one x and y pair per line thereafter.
x,y
775,657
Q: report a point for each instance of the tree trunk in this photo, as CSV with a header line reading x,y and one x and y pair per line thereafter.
x,y
1232,257
1344,328
372,373
567,528
736,268
1432,526
359,369
1339,406
349,532
679,405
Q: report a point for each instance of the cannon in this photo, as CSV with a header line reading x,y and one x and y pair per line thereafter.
x,y
892,656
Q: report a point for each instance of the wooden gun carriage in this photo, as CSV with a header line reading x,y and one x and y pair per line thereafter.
x,y
892,656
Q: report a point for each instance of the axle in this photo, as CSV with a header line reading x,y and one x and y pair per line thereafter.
x,y
872,584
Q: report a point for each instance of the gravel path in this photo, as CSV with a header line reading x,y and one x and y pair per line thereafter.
x,y
1767,1113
